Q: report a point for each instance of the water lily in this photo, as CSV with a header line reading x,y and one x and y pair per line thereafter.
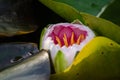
x,y
64,40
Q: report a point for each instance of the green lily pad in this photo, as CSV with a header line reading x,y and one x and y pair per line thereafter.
x,y
89,6
112,12
107,9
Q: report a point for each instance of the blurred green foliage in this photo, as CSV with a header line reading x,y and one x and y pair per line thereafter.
x,y
107,9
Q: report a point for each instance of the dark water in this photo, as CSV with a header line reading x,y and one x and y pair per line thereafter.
x,y
30,11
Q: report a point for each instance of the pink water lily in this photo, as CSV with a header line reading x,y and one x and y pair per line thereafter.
x,y
68,38
67,35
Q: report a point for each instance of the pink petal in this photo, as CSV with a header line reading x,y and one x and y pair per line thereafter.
x,y
68,31
77,32
57,29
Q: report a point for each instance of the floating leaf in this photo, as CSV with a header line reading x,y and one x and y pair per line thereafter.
x,y
36,67
93,7
12,53
107,9
112,12
65,11
13,18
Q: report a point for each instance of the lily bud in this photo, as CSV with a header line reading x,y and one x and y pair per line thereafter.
x,y
64,40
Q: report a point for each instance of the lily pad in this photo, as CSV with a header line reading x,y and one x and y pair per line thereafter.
x,y
12,53
112,12
93,7
36,67
107,9
15,19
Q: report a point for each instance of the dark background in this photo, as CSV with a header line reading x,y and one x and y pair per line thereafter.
x,y
32,11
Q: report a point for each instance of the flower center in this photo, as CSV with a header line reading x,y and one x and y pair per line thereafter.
x,y
67,36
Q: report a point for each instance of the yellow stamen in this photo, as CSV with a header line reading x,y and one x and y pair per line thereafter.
x,y
83,37
72,39
65,40
58,41
80,38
